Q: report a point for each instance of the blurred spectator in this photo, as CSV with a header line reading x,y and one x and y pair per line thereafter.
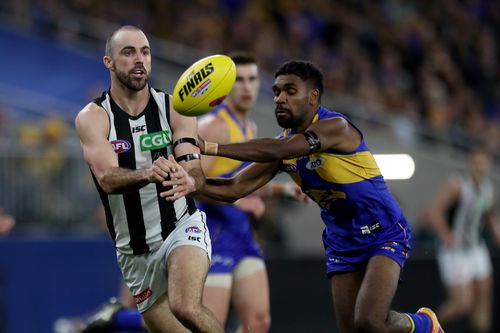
x,y
7,222
42,160
387,50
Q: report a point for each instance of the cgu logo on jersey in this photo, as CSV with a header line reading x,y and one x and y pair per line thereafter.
x,y
120,146
314,163
195,79
156,140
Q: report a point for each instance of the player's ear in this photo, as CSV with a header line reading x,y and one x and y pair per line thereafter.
x,y
314,97
108,62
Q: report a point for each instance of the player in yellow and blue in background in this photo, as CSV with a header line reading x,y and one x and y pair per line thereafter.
x,y
238,273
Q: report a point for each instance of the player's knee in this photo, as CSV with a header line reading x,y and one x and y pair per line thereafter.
x,y
184,311
261,323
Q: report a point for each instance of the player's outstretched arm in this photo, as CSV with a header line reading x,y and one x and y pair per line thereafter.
x,y
330,133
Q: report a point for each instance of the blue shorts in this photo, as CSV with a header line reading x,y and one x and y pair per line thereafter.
x,y
230,246
393,243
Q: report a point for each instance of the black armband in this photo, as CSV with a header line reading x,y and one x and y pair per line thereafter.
x,y
187,157
313,141
192,141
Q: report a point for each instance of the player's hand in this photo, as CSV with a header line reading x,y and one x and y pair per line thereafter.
x,y
160,170
252,204
180,180
293,192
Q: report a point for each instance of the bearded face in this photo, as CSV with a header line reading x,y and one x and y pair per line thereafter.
x,y
134,79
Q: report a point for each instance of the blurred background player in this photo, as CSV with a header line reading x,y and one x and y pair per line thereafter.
x,y
457,215
238,273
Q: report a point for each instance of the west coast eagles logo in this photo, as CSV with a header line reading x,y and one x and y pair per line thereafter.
x,y
314,163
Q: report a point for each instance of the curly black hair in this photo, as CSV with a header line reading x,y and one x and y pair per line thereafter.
x,y
306,70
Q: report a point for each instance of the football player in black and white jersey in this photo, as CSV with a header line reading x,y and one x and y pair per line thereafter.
x,y
463,204
129,137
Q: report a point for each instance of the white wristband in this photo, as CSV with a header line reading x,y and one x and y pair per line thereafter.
x,y
211,148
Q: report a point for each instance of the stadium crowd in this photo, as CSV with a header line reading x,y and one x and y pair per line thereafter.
x,y
433,64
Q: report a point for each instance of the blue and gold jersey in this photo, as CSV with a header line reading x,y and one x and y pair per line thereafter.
x,y
225,216
238,132
349,188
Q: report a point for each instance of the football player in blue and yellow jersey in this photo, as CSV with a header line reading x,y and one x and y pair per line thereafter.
x,y
366,235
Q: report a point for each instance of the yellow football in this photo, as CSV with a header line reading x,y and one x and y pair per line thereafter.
x,y
204,85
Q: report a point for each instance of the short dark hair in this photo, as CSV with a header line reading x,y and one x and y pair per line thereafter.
x,y
242,58
109,42
306,70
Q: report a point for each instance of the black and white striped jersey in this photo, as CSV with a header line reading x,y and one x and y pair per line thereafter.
x,y
140,220
467,216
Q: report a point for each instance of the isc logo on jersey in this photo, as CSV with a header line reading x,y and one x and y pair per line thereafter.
x,y
156,140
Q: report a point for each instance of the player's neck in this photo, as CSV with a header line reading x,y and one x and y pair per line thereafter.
x,y
307,121
132,102
242,115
